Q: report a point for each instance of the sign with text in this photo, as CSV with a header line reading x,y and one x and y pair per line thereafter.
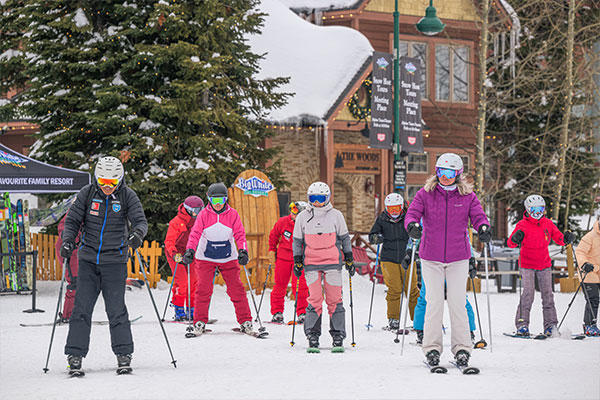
x,y
356,159
400,175
411,137
382,111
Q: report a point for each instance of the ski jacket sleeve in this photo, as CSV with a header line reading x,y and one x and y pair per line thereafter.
x,y
376,228
135,213
76,215
239,233
176,229
476,213
416,209
298,235
275,235
196,232
556,235
585,253
343,234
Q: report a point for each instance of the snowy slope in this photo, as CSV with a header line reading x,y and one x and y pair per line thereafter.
x,y
320,61
226,365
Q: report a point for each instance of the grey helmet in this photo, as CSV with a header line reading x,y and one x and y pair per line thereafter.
x,y
535,206
217,190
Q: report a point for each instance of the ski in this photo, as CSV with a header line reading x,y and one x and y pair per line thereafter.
x,y
138,283
436,369
4,284
275,323
394,331
193,334
338,349
61,324
22,271
28,248
313,350
258,335
78,373
466,370
124,370
541,336
172,321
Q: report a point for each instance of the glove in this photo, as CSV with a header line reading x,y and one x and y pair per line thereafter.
x,y
349,261
243,256
67,249
569,237
406,260
272,257
587,267
177,257
298,266
188,257
376,238
518,237
135,239
472,268
484,235
414,230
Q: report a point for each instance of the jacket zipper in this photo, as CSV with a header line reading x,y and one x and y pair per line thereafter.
x,y
446,228
102,231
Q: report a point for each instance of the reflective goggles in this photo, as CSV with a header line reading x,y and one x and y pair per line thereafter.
x,y
294,208
536,210
108,182
394,210
192,210
320,198
448,173
217,200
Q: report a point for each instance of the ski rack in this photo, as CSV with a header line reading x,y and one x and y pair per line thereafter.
x,y
33,290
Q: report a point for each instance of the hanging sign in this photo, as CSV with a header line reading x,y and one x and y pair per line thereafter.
x,y
382,110
411,127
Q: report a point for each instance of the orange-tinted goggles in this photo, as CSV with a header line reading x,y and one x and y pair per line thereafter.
x,y
293,208
394,209
108,182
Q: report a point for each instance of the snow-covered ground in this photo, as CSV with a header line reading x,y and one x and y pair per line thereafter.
x,y
228,365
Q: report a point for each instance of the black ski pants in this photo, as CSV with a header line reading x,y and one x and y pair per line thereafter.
x,y
110,280
593,295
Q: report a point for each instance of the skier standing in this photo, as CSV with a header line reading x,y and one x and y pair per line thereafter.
x,y
71,274
282,255
212,243
389,231
446,204
588,258
103,210
175,241
319,235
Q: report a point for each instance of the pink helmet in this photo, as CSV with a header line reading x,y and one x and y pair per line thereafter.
x,y
193,205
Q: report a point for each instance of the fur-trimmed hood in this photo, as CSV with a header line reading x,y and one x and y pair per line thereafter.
x,y
462,185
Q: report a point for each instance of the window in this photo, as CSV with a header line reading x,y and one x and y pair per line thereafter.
x,y
284,203
417,163
419,51
452,73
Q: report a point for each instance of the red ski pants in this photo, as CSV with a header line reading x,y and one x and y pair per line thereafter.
x,y
180,284
230,271
283,271
70,294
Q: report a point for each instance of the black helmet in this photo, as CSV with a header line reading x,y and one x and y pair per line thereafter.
x,y
217,190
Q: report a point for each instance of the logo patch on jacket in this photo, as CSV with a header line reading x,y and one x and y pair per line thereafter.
x,y
96,205
94,213
287,234
116,207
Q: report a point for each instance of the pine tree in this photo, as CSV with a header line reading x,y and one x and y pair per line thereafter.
x,y
168,87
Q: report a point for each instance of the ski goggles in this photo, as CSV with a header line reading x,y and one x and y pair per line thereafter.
x,y
108,182
394,210
448,173
217,200
317,198
294,208
536,211
192,210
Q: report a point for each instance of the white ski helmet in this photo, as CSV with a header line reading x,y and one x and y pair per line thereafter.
x,y
109,168
392,202
450,161
317,189
296,207
535,206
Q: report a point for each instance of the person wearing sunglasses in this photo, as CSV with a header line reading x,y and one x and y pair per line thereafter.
x,y
218,239
532,235
282,255
445,205
320,238
177,237
102,211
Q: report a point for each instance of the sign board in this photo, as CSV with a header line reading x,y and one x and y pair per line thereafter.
x,y
411,127
400,175
254,186
382,110
356,159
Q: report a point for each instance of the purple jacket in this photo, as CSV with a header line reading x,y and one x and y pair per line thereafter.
x,y
445,216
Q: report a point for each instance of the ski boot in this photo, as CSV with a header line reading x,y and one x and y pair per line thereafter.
x,y
551,331
277,318
523,330
419,337
433,358
75,365
199,328
393,324
61,320
338,344
301,318
591,330
313,344
180,314
124,364
246,327
462,358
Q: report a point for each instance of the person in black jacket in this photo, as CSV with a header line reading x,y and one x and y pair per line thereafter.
x,y
389,231
103,210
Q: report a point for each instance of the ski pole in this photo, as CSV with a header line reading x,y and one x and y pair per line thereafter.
x,y
170,289
143,267
401,302
585,293
520,285
587,302
214,280
189,299
351,311
262,328
263,291
571,302
408,290
295,308
481,343
369,326
62,283
487,289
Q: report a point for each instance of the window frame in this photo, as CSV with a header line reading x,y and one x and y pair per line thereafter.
x,y
426,154
469,64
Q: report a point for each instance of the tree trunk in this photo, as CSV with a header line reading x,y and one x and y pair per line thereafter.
x,y
481,117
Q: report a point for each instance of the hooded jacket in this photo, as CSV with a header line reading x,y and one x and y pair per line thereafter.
x,y
280,238
589,251
395,237
178,232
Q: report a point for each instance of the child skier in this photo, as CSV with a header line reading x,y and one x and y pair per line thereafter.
x,y
533,235
212,243
588,258
282,255
319,233
389,231
175,242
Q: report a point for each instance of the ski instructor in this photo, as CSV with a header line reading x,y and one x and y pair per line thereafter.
x,y
103,211
446,204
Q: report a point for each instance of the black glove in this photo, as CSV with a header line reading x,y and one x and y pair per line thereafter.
x,y
349,260
298,266
587,267
376,238
243,256
518,237
188,257
569,237
406,260
484,235
67,249
472,268
135,239
414,230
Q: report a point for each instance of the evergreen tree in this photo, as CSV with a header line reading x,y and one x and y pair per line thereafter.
x,y
168,87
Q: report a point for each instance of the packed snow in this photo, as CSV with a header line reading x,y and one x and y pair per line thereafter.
x,y
228,365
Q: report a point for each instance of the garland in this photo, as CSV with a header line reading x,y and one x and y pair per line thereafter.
x,y
361,112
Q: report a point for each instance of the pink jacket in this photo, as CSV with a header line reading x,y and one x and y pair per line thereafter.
x,y
214,236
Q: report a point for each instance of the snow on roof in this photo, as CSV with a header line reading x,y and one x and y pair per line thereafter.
x,y
320,4
320,61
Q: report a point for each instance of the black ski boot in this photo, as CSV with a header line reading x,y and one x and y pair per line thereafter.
x,y
433,358
277,318
419,337
313,344
75,365
301,318
462,358
124,364
338,344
